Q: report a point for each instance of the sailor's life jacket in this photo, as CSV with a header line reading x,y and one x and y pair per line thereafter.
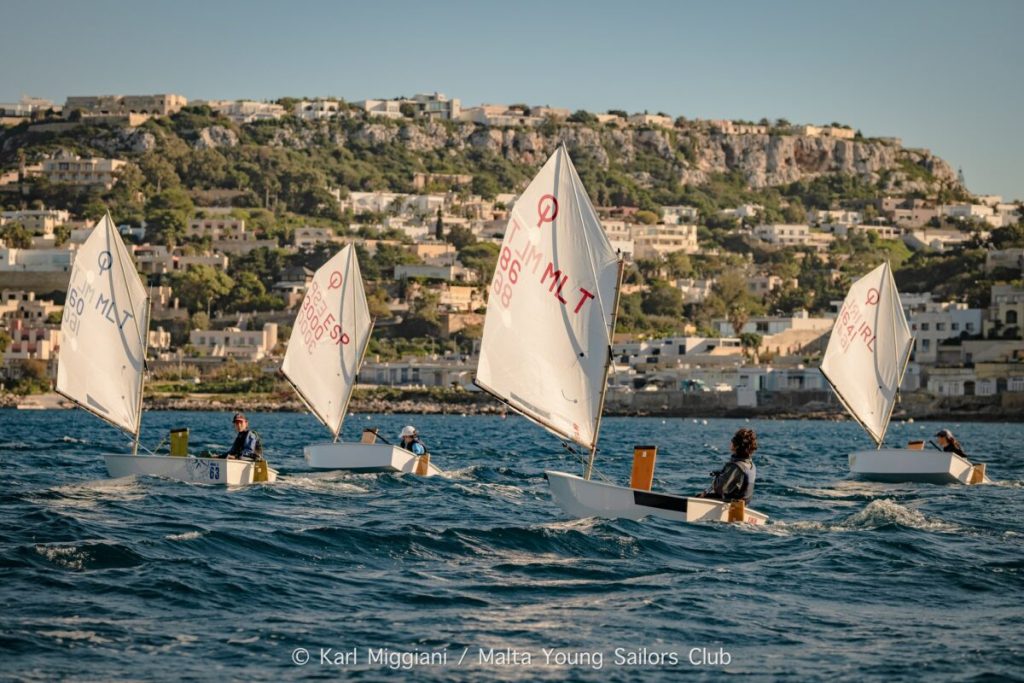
x,y
955,448
735,481
416,447
248,444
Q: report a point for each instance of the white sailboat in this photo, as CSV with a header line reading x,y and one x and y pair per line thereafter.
x,y
332,330
546,347
102,360
864,363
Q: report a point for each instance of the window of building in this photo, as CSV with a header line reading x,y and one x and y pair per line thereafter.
x,y
924,327
955,326
1011,317
926,344
940,326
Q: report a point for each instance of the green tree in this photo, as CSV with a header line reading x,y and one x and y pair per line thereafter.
x,y
731,295
647,217
168,214
16,235
481,257
661,298
200,287
461,237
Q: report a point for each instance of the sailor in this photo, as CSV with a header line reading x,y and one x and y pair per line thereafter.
x,y
247,445
411,441
949,444
735,481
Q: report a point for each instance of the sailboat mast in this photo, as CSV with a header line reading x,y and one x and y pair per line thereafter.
x,y
142,375
604,385
351,390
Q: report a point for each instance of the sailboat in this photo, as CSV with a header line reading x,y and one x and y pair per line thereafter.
x,y
546,347
104,337
329,340
864,363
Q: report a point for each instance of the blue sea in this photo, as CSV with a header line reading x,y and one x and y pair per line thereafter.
x,y
479,576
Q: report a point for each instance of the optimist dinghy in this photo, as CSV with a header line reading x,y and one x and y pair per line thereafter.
x,y
326,349
864,363
546,347
104,334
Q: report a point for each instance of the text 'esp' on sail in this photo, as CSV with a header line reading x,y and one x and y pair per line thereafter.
x,y
103,330
868,350
330,335
550,311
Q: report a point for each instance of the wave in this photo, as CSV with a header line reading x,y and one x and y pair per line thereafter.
x,y
877,515
89,556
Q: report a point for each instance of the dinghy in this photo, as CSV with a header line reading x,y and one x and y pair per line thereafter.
x,y
329,339
546,347
103,355
867,354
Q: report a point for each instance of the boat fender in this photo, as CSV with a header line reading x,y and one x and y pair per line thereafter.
x,y
737,511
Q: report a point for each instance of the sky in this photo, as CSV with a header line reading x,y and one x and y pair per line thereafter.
x,y
938,74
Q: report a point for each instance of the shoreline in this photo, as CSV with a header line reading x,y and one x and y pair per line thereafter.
x,y
386,401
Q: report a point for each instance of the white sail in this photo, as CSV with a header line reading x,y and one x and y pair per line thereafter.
x,y
868,350
551,306
103,330
332,330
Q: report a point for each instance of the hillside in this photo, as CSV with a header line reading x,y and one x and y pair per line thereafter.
x,y
296,162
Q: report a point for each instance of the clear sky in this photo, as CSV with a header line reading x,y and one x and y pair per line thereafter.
x,y
939,74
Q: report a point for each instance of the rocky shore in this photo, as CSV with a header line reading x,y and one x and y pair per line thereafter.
x,y
1005,408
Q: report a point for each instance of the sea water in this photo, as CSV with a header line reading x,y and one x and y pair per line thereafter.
x,y
479,575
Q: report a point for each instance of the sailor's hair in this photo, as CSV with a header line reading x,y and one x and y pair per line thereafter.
x,y
745,441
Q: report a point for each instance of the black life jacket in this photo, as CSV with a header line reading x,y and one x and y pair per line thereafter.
x,y
239,444
747,471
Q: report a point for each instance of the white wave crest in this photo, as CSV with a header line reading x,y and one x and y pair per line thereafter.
x,y
877,513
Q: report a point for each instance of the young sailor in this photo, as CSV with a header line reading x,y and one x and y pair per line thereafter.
x,y
949,444
247,445
411,441
735,481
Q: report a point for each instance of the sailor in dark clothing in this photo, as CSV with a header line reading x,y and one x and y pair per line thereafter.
x,y
949,444
735,481
247,445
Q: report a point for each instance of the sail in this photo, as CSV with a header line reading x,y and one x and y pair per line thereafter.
x,y
868,351
329,338
551,307
103,330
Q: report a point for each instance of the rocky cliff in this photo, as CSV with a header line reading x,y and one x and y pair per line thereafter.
x,y
689,154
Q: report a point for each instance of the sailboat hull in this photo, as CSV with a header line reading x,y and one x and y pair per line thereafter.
x,y
580,497
900,465
361,457
193,470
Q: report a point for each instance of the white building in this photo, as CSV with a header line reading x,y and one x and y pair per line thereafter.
x,y
695,291
654,241
620,234
835,216
316,110
933,323
772,325
35,260
246,111
935,240
41,222
674,215
248,345
70,169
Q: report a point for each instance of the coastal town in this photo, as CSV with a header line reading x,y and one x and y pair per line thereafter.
x,y
730,291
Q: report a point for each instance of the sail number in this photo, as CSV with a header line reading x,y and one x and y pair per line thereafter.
x,y
74,308
314,321
852,326
513,262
